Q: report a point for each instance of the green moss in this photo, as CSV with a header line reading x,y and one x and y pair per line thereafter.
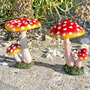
x,y
73,70
24,65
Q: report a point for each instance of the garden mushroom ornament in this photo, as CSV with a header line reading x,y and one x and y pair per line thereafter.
x,y
13,49
66,30
82,56
23,25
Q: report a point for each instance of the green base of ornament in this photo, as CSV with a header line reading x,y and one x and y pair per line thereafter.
x,y
24,65
73,70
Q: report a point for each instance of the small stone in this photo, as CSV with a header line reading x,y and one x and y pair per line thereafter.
x,y
85,41
4,64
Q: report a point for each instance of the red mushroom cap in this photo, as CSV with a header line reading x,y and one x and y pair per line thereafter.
x,y
22,24
13,49
67,29
83,54
84,50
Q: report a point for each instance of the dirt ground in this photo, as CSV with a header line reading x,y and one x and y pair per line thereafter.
x,y
47,73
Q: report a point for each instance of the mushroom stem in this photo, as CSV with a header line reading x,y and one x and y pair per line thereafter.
x,y
26,56
17,58
68,54
78,63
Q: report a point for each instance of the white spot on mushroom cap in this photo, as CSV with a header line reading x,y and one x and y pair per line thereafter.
x,y
31,23
52,33
29,26
54,26
71,23
83,54
59,27
8,48
19,21
70,33
81,58
39,24
11,25
22,27
81,28
78,33
64,28
70,27
63,34
58,36
13,29
19,46
8,24
59,23
18,25
86,52
34,25
64,24
85,57
11,50
57,32
78,29
77,25
14,47
25,23
16,21
14,50
34,21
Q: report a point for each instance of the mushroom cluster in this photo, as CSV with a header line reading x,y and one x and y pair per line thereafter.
x,y
67,29
22,25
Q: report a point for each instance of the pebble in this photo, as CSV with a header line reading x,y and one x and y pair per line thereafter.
x,y
85,41
49,53
3,63
85,46
6,44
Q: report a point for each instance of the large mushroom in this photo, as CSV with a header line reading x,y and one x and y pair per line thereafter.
x,y
82,56
23,25
66,30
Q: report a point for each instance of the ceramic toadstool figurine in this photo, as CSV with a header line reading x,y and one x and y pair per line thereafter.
x,y
82,56
66,30
23,25
13,50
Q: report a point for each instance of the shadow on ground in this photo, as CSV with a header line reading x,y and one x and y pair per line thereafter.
x,y
56,67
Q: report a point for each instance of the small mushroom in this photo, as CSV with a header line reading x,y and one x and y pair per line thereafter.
x,y
82,56
13,50
67,29
23,25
